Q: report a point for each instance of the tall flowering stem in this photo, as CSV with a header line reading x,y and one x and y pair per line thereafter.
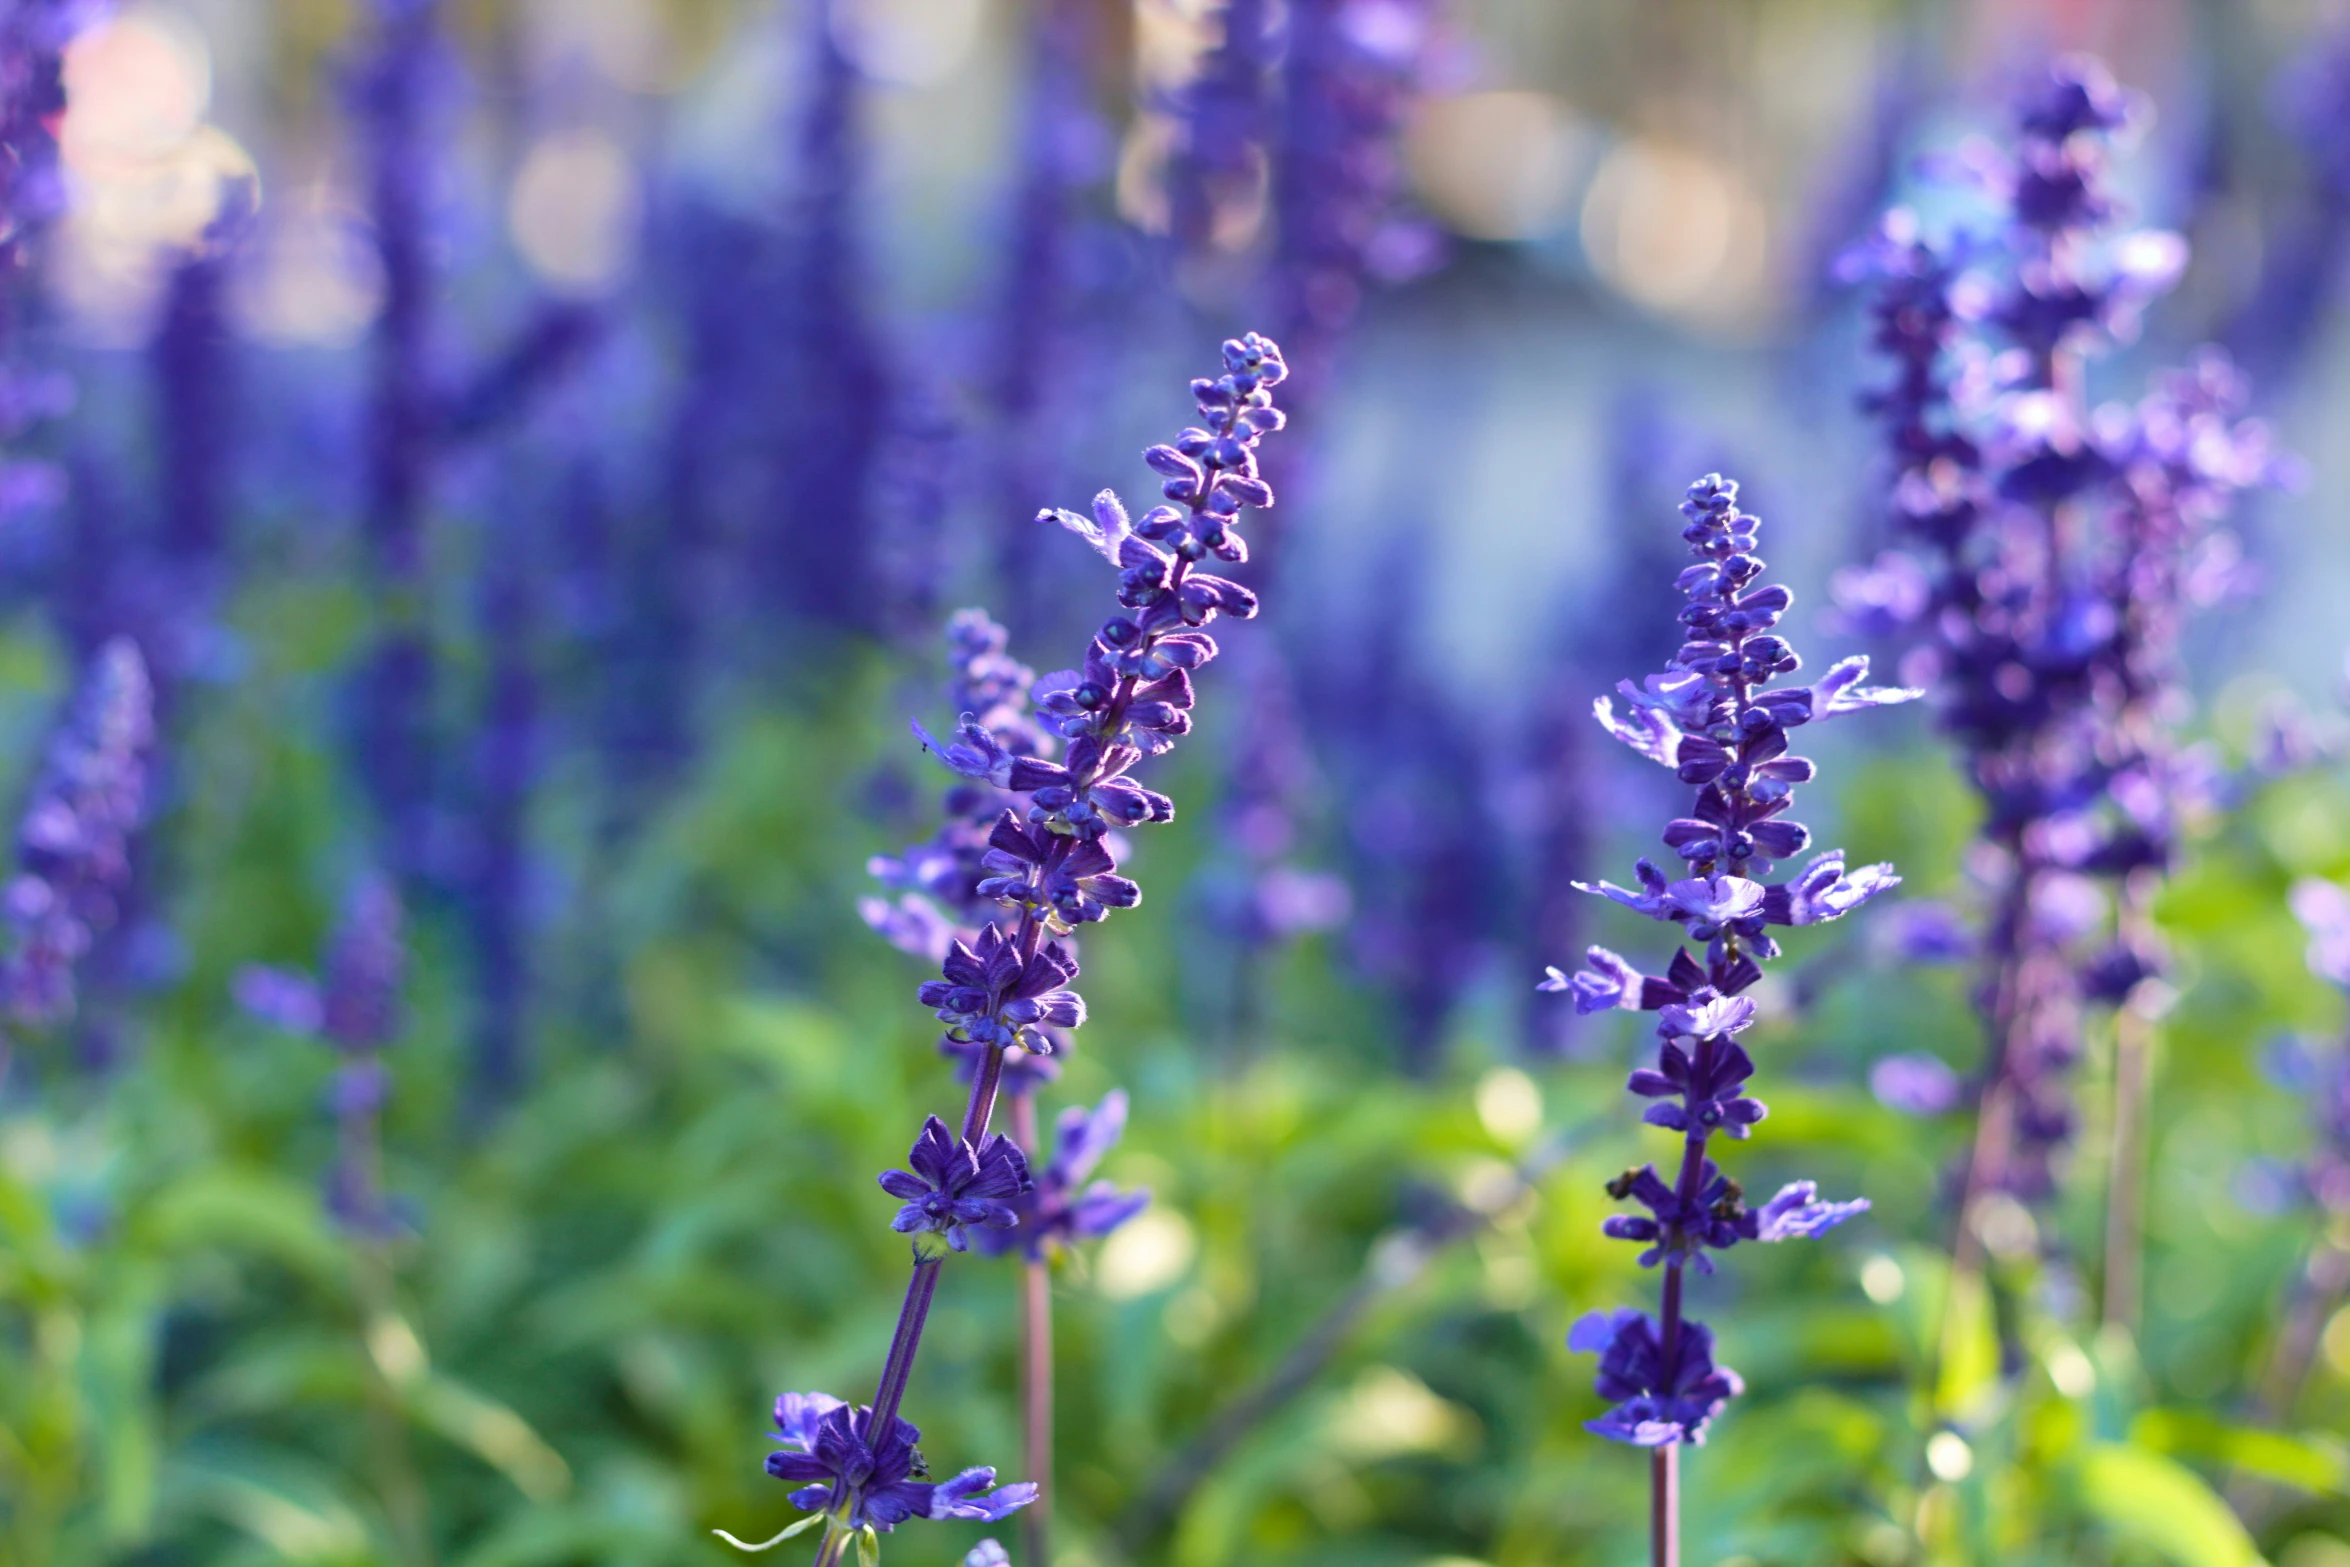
x,y
352,1005
74,843
2056,553
1714,717
1050,867
938,903
393,96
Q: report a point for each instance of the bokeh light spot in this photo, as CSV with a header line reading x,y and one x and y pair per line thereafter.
x,y
574,211
1150,1253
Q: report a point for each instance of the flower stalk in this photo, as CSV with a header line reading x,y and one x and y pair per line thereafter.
x,y
1714,718
1048,866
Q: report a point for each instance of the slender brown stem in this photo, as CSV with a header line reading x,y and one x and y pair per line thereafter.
x,y
1036,1371
1664,1506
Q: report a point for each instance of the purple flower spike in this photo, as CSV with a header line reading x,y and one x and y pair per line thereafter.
x,y
2055,551
1717,719
73,846
954,1185
1029,851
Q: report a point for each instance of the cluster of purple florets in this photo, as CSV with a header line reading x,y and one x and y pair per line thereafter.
x,y
1716,718
74,843
1028,854
352,1005
2052,555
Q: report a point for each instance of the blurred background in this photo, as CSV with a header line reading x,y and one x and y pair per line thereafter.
x,y
534,446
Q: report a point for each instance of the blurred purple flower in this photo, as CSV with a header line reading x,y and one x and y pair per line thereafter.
x,y
1062,1209
74,840
1914,1084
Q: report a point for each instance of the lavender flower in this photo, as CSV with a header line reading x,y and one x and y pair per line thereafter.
x,y
73,845
393,96
864,1486
1049,864
818,555
1349,70
1061,1209
1222,121
195,401
954,1186
1657,1405
1918,1085
354,1006
1716,719
2058,557
33,36
2283,313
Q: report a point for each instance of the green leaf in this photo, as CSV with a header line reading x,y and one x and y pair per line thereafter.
x,y
2148,1500
2311,1461
245,1211
868,1547
492,1432
772,1542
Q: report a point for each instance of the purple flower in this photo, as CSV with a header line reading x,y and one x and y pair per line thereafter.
x,y
1840,691
2324,911
1061,1210
912,924
285,998
1882,598
1796,1213
954,1185
1914,1084
2061,550
1348,76
857,1482
991,995
1030,850
354,1007
1656,1403
73,844
1606,983
1825,892
1718,721
1930,932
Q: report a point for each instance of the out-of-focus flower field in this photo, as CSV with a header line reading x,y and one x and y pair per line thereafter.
x,y
486,487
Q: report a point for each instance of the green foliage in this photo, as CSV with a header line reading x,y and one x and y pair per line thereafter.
x,y
612,1277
